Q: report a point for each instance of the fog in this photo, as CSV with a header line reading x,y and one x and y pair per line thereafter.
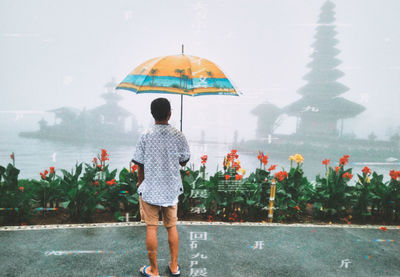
x,y
62,53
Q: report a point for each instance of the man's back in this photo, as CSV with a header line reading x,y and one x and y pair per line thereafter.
x,y
161,149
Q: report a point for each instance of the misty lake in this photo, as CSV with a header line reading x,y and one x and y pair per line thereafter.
x,y
34,156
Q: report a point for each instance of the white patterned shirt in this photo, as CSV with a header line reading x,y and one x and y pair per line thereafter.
x,y
160,149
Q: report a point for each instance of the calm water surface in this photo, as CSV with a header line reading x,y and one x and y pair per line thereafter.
x,y
34,156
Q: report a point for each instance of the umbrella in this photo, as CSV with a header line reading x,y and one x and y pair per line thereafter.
x,y
178,74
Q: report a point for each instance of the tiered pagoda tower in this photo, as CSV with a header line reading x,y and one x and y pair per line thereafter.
x,y
111,113
320,108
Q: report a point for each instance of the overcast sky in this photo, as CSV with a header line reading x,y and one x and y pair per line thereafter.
x,y
61,53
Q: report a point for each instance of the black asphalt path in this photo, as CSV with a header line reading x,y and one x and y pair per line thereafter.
x,y
205,249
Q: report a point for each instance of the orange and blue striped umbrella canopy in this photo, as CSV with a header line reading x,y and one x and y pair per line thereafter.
x,y
178,74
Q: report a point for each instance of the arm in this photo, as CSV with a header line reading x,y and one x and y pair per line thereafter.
x,y
140,175
138,158
184,151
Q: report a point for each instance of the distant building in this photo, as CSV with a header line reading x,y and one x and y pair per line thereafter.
x,y
320,108
267,115
110,113
105,123
64,114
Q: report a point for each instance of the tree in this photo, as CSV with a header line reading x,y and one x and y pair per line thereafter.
x,y
153,72
180,72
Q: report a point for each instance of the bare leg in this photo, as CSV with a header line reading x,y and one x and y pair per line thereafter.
x,y
173,240
151,243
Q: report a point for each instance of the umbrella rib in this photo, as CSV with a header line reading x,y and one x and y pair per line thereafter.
x,y
191,75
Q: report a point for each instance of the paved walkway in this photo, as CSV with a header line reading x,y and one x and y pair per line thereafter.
x,y
216,250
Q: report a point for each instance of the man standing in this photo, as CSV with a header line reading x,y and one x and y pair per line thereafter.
x,y
159,153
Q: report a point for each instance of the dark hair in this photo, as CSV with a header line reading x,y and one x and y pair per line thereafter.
x,y
160,108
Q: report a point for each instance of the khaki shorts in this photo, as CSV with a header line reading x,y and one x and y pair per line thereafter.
x,y
150,213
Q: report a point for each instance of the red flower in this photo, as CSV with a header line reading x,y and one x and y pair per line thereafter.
x,y
260,155
344,160
297,208
264,159
44,174
366,170
272,167
12,156
188,173
325,162
203,159
394,174
94,160
234,154
337,168
347,175
52,169
281,175
238,177
111,182
21,188
383,228
228,159
134,168
236,165
210,218
104,155
227,177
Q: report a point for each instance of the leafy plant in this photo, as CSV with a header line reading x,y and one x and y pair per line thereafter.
x,y
47,191
12,196
332,195
77,196
127,182
229,196
392,203
368,194
189,178
293,190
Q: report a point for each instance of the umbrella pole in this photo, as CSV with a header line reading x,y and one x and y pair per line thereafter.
x,y
181,98
181,110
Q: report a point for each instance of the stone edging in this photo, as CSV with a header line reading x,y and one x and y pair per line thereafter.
x,y
124,224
